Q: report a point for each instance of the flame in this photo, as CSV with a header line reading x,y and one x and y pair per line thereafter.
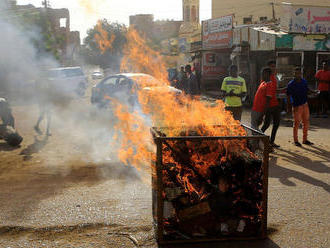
x,y
91,6
102,38
166,109
162,107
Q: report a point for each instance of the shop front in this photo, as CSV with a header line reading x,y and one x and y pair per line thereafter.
x,y
217,37
305,51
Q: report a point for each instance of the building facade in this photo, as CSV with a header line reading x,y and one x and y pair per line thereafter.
x,y
190,10
143,23
165,29
255,11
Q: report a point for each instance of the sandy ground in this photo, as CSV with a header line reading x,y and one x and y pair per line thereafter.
x,y
65,191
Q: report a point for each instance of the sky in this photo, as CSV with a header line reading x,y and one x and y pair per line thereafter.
x,y
85,13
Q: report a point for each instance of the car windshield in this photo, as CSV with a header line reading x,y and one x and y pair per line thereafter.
x,y
73,72
147,81
54,73
62,73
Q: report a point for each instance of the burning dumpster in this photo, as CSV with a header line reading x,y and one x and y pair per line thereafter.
x,y
208,187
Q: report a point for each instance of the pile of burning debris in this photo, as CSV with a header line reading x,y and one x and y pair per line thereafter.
x,y
208,187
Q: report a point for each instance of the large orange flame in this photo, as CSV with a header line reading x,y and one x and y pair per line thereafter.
x,y
166,109
90,6
102,38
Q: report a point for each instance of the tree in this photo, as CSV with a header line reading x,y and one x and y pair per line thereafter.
x,y
47,41
104,44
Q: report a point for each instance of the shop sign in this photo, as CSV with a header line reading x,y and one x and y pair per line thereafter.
x,y
183,45
284,41
311,42
212,65
218,33
302,19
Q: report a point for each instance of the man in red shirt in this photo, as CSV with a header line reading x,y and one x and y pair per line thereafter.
x,y
274,110
323,80
261,99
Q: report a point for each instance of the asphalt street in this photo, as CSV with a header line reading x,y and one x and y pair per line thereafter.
x,y
68,191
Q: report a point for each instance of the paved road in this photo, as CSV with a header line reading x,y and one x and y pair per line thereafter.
x,y
68,191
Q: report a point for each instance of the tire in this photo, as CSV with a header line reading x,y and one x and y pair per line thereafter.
x,y
81,90
11,136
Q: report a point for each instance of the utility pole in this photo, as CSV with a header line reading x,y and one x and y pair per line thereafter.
x,y
46,4
273,10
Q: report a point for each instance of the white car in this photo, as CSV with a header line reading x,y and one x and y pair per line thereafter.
x,y
123,87
69,80
97,75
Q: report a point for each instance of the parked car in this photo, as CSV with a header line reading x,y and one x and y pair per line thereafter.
x,y
123,88
97,75
69,80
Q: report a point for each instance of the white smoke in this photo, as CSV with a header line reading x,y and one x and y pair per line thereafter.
x,y
86,132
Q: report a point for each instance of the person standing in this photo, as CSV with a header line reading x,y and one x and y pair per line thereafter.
x,y
233,88
323,80
192,84
45,101
297,93
261,99
182,79
274,110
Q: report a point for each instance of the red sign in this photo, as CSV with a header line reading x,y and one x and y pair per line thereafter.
x,y
218,40
212,65
218,33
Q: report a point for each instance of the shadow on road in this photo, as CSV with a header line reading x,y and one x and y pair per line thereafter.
x,y
315,124
4,147
27,188
34,148
299,159
284,174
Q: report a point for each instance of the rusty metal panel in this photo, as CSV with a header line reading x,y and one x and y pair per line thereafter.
x,y
237,36
261,41
241,34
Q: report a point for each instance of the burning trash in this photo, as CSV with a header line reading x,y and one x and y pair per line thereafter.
x,y
205,189
209,181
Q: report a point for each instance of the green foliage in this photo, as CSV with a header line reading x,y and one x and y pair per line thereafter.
x,y
111,56
48,41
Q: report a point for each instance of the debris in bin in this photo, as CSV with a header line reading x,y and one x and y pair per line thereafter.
x,y
241,226
211,192
168,209
194,211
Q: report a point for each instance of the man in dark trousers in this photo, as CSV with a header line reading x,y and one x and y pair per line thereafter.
x,y
192,84
234,88
297,93
45,100
261,99
274,110
182,79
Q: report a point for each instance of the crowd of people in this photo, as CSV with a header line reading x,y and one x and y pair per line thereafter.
x,y
187,80
266,107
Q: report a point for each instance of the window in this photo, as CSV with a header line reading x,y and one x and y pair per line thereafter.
x,y
63,22
187,19
110,81
74,72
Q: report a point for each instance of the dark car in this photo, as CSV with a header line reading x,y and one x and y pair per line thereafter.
x,y
123,88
